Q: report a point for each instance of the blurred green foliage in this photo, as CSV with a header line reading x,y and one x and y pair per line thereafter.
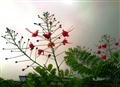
x,y
10,83
93,71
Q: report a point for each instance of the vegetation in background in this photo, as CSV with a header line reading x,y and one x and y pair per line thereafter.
x,y
10,83
97,70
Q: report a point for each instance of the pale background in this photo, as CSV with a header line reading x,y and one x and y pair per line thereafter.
x,y
90,18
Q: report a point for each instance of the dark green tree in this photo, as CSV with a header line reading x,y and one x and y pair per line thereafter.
x,y
10,83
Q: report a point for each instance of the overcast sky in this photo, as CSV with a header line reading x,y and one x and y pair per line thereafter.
x,y
90,18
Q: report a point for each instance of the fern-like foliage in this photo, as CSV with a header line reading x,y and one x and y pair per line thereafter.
x,y
43,78
81,61
92,67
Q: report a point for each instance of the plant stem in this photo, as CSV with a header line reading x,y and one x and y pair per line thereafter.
x,y
53,51
52,48
26,54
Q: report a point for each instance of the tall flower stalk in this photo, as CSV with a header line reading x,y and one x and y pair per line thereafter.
x,y
107,45
52,36
107,51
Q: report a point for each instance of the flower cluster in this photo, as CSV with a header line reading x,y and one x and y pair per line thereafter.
x,y
106,46
48,37
48,33
51,36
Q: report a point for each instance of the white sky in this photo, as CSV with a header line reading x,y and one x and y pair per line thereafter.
x,y
90,18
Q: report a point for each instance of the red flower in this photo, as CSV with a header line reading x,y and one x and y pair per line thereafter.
x,y
64,41
51,44
31,46
104,57
35,34
47,36
40,51
104,45
98,52
65,33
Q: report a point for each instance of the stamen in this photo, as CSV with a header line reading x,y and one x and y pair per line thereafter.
x,y
58,46
27,44
28,30
60,53
31,53
12,48
61,63
27,67
23,44
23,69
14,57
20,41
22,61
46,61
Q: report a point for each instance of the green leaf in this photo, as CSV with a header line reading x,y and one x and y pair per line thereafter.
x,y
50,66
53,71
61,73
66,72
